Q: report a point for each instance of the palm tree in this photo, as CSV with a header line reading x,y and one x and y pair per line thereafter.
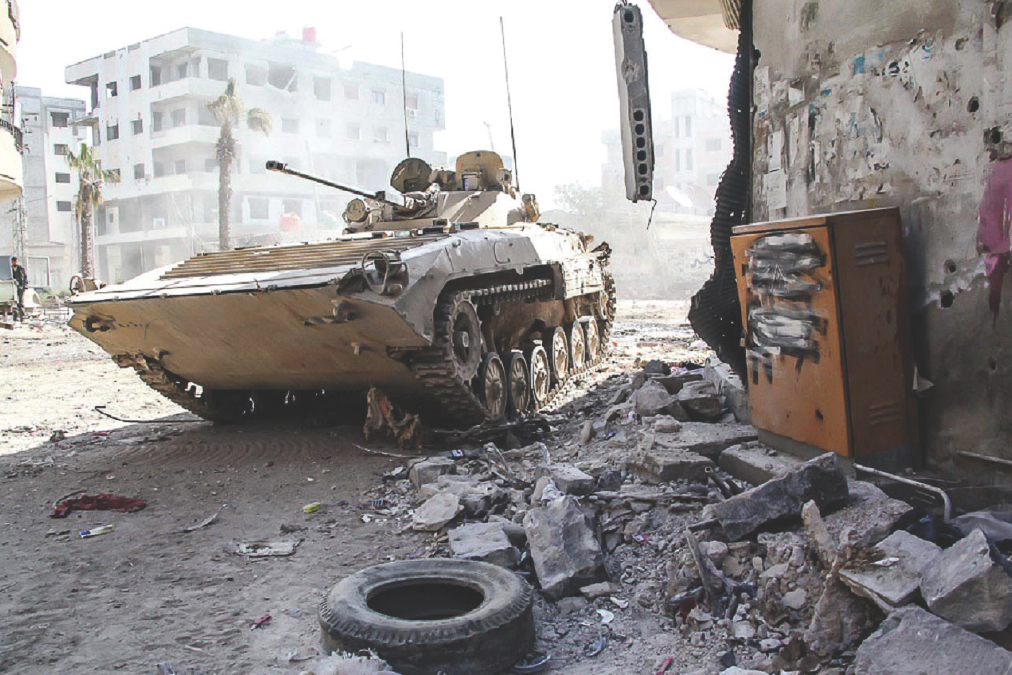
x,y
89,195
228,109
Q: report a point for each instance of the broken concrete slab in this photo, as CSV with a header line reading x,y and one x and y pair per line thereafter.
x,y
656,367
657,463
729,386
666,424
439,510
870,511
913,642
701,401
839,621
565,550
755,464
818,536
599,590
674,383
653,399
571,480
968,587
485,542
708,440
429,469
890,576
820,480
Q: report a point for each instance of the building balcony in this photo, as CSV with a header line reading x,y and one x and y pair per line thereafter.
x,y
10,32
187,133
11,180
187,87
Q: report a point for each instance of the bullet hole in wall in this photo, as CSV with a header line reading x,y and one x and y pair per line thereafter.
x,y
974,105
946,299
992,364
950,267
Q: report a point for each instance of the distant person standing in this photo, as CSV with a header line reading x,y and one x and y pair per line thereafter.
x,y
21,284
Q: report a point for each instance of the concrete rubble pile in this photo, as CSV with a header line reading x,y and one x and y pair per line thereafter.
x,y
653,502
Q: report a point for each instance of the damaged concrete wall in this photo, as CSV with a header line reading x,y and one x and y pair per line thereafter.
x,y
861,104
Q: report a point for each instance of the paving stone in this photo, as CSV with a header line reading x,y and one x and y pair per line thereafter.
x,y
782,498
753,463
701,401
486,542
565,550
428,470
913,642
893,578
967,586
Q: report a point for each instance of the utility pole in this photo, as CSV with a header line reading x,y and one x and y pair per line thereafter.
x,y
19,227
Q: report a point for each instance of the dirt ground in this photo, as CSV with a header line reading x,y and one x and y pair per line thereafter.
x,y
148,593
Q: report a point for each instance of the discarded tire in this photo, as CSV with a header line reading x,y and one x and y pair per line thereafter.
x,y
458,617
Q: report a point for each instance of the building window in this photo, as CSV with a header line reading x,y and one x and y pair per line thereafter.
x,y
217,69
111,132
321,87
180,166
293,206
379,97
289,125
688,126
63,206
110,89
379,134
413,140
137,126
182,70
205,117
353,132
159,169
688,160
256,76
351,92
323,128
411,102
179,117
59,119
210,165
60,149
678,159
138,171
677,126
135,82
62,177
258,208
156,121
712,144
156,76
282,77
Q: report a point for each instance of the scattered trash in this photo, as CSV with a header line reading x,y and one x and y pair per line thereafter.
x,y
96,531
664,666
384,416
101,502
606,616
312,508
532,664
57,436
595,647
260,622
202,524
261,549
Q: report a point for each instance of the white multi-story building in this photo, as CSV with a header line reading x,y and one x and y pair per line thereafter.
x,y
50,235
691,149
152,125
10,134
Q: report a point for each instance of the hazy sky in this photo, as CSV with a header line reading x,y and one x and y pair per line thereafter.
x,y
561,60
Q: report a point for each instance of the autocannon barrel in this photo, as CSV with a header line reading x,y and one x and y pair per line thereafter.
x,y
281,167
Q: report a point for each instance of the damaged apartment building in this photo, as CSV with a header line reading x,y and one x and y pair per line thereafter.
x,y
850,106
151,125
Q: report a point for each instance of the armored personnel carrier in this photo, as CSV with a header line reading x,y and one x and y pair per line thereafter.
x,y
451,297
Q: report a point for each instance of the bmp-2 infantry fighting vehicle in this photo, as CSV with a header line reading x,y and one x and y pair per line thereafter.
x,y
452,299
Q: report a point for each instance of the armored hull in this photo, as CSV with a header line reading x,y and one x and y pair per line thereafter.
x,y
455,318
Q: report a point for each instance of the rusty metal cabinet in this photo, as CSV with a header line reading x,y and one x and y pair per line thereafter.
x,y
827,335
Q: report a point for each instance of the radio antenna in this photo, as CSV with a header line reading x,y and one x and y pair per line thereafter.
x,y
509,104
404,99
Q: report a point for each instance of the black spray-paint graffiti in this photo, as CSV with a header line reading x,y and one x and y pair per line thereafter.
x,y
781,321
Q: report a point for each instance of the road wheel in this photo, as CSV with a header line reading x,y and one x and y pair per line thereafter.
x,y
458,617
593,338
464,333
519,378
577,346
541,376
492,386
558,349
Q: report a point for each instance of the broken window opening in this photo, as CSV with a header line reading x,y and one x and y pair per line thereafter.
x,y
282,77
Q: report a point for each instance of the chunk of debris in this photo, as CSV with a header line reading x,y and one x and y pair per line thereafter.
x,y
485,542
656,367
708,440
818,480
571,480
729,386
658,463
701,401
384,416
840,618
599,590
967,586
653,399
890,572
869,511
586,432
755,463
263,549
666,424
911,642
565,550
429,469
439,510
674,383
